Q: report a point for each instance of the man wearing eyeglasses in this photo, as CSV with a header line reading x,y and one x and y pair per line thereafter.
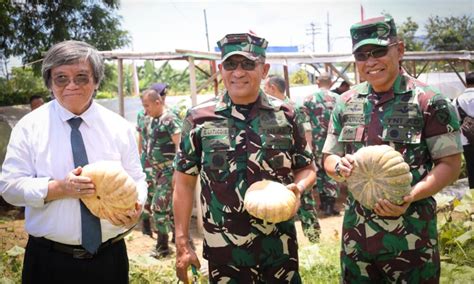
x,y
392,243
43,166
233,141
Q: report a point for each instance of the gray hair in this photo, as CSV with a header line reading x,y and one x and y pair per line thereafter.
x,y
72,52
278,82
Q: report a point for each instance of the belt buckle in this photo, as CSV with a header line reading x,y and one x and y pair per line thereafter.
x,y
81,254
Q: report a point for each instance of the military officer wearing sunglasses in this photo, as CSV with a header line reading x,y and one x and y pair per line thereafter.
x,y
392,243
233,141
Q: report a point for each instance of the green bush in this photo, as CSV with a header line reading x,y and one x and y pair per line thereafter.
x,y
105,95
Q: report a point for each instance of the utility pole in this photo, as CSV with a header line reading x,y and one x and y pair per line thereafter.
x,y
312,31
327,28
212,63
207,34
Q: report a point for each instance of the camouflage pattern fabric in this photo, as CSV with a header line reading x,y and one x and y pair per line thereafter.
x,y
317,109
421,124
308,215
162,201
142,121
377,31
231,147
160,152
268,272
244,44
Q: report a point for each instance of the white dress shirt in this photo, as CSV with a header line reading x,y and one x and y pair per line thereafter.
x,y
40,150
466,102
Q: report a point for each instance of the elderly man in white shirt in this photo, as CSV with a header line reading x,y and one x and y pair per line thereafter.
x,y
40,173
465,107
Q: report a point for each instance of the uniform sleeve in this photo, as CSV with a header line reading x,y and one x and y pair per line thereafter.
x,y
188,158
174,126
332,145
302,155
441,128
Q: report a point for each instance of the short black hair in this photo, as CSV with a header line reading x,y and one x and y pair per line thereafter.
x,y
35,97
344,83
470,79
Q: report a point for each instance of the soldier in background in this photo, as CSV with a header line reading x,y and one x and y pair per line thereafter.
x,y
317,108
392,243
162,132
275,86
233,141
142,120
308,215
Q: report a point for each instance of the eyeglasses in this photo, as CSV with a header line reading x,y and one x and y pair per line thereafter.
x,y
246,64
79,80
375,53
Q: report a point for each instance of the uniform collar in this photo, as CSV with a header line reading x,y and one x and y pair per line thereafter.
x,y
400,86
225,103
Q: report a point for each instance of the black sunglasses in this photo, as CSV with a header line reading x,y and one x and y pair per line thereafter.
x,y
375,53
246,64
63,81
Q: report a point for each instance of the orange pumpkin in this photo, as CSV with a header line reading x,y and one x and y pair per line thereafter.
x,y
115,190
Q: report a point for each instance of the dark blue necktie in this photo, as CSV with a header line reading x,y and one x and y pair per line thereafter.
x,y
91,232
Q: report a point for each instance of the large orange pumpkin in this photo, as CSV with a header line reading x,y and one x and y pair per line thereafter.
x,y
270,201
379,172
115,190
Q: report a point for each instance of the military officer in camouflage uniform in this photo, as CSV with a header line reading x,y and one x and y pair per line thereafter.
x,y
162,139
233,141
142,120
275,86
317,108
392,243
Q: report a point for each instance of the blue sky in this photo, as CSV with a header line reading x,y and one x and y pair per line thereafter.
x,y
168,25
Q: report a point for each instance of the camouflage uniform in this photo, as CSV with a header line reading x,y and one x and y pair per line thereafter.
x,y
160,152
231,147
307,212
421,124
317,108
142,121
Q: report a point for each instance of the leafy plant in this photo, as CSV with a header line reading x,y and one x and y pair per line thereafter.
x,y
456,237
11,265
319,263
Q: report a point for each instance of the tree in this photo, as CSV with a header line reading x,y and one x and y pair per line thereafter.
x,y
406,31
28,28
299,78
450,33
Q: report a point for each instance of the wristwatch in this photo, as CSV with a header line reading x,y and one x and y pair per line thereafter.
x,y
337,169
300,187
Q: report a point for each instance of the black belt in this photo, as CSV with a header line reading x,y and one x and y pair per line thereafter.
x,y
77,251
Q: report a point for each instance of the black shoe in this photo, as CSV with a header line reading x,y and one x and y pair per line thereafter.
x,y
160,253
330,210
146,228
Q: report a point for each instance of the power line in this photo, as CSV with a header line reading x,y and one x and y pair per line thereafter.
x,y
313,30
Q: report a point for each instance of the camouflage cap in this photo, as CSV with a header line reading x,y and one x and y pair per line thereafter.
x,y
373,31
247,45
